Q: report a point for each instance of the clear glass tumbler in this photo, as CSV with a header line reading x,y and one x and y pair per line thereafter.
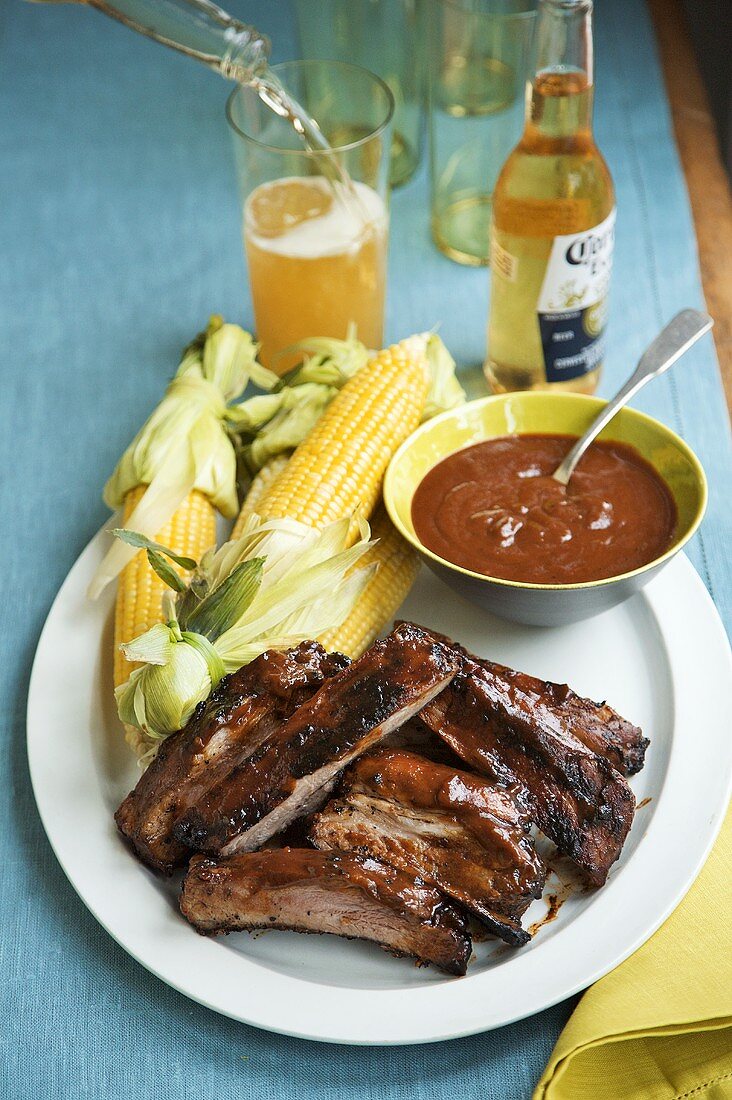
x,y
383,36
315,243
478,57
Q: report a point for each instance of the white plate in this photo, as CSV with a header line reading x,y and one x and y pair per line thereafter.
x,y
661,659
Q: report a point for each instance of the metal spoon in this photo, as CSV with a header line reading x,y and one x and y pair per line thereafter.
x,y
671,343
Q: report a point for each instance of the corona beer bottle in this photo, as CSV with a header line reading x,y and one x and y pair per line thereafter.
x,y
553,221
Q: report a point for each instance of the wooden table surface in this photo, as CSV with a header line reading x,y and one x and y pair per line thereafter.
x,y
707,181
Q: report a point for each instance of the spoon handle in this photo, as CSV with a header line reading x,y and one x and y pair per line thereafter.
x,y
672,342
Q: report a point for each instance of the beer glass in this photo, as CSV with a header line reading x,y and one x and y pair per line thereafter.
x,y
315,223
478,56
383,36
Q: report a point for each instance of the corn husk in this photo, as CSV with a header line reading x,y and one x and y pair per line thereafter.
x,y
279,583
186,443
275,423
445,391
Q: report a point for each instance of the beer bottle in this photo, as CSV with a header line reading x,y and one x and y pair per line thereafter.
x,y
197,28
552,222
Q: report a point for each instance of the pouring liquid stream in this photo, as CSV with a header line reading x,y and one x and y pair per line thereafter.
x,y
274,95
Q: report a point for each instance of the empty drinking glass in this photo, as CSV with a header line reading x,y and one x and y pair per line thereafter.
x,y
478,55
383,36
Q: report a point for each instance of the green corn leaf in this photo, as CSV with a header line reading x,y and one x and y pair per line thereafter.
x,y
138,704
331,608
186,442
166,572
159,699
142,542
281,542
300,410
279,583
223,607
262,377
228,360
188,601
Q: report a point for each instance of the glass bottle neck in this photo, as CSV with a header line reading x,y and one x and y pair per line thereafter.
x,y
560,94
197,28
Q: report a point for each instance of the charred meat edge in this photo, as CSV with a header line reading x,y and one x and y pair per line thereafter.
x,y
237,716
304,890
557,707
600,728
292,772
578,799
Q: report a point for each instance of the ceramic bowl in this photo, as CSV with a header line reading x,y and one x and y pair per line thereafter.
x,y
560,413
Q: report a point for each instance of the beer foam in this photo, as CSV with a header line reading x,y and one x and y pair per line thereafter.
x,y
341,228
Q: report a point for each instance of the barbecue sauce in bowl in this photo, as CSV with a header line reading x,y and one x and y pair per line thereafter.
x,y
495,509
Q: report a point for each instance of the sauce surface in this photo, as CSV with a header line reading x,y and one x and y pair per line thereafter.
x,y
494,508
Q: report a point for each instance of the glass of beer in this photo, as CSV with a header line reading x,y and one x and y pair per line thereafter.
x,y
315,223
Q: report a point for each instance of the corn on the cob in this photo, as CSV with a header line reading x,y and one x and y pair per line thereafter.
x,y
260,486
398,565
340,466
189,532
184,442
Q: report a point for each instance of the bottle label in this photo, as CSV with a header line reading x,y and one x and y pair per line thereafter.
x,y
573,301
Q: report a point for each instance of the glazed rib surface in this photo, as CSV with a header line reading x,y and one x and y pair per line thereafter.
x,y
343,894
557,709
292,771
223,731
577,798
464,835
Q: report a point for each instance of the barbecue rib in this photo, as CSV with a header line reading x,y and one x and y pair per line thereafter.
x,y
577,797
415,736
557,708
240,713
341,893
292,772
463,835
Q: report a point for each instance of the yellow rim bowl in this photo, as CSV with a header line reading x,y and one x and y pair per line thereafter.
x,y
553,413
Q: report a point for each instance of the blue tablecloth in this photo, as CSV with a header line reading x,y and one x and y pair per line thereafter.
x,y
120,230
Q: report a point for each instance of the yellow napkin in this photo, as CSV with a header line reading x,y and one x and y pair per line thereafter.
x,y
659,1027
